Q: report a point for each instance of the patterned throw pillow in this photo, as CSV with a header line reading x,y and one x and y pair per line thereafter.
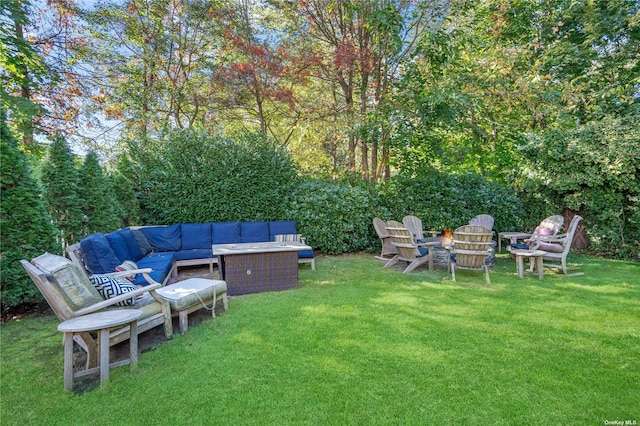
x,y
109,287
127,265
287,238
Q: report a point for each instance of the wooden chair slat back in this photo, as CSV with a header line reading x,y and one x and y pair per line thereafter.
x,y
402,239
484,220
414,225
472,244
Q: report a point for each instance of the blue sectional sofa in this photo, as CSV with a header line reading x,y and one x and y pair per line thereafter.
x,y
165,248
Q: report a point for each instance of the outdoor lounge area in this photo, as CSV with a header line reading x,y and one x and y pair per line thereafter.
x,y
431,349
320,213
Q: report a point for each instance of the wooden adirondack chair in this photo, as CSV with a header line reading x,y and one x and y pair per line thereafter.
x,y
471,245
388,249
557,247
70,294
408,251
414,224
483,220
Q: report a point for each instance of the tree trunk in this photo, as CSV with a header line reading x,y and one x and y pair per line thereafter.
x,y
26,126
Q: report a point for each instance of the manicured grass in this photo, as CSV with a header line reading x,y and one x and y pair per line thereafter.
x,y
358,344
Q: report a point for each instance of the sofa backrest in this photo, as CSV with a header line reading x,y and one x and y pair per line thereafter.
x,y
99,257
225,232
163,238
254,232
196,235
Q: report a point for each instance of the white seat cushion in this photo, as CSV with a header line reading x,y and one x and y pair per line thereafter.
x,y
184,294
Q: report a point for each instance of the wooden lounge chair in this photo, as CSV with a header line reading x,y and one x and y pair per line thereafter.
x,y
70,294
471,245
388,249
408,250
557,247
549,227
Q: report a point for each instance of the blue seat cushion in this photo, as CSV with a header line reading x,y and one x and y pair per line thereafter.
x,y
423,251
225,232
196,236
163,238
194,254
98,255
254,232
119,246
305,254
132,244
281,227
519,246
160,263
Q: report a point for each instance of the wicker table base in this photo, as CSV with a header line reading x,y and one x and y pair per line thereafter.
x,y
257,272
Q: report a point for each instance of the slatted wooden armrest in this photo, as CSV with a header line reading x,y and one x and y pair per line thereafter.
x,y
472,252
112,301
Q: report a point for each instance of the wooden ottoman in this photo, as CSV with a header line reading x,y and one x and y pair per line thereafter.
x,y
192,294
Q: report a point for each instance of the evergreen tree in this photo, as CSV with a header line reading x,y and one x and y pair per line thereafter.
x,y
129,207
99,203
60,179
26,230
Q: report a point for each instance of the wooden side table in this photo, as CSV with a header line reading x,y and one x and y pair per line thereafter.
x,y
534,256
512,236
101,322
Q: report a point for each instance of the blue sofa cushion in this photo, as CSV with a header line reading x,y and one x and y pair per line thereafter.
x,y
196,236
305,254
98,255
132,244
225,232
194,254
254,232
163,238
142,241
119,246
160,263
281,227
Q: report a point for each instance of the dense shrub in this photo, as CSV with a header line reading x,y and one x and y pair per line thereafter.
x,y
25,227
193,176
447,201
336,217
593,169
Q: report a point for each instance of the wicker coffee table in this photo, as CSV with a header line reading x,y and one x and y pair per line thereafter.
x,y
257,267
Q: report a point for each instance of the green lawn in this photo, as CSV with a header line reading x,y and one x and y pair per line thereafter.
x,y
359,344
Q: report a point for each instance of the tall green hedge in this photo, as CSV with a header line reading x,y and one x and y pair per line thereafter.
x,y
336,217
447,201
193,176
